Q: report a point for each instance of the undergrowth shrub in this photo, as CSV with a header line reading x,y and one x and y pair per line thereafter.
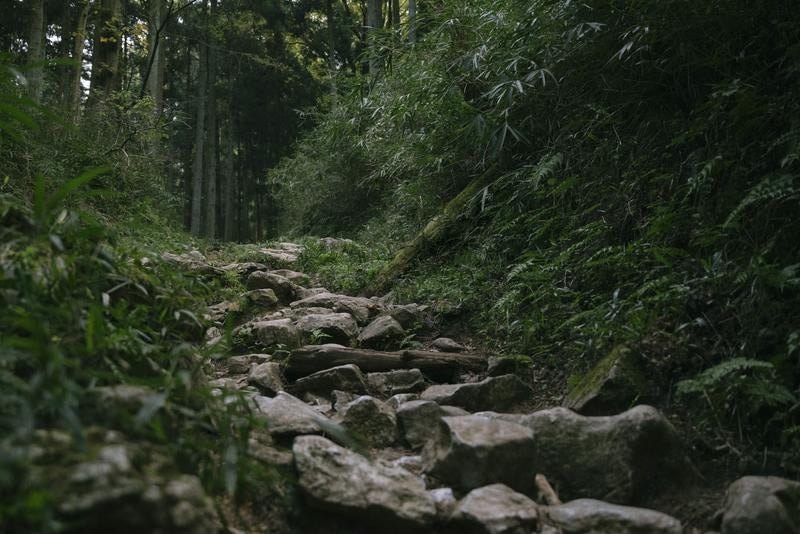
x,y
645,186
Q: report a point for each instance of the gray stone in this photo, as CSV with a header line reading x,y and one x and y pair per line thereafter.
x,y
495,509
268,454
261,298
342,399
244,269
267,377
412,464
337,480
267,334
284,289
615,384
381,332
445,501
371,420
597,517
408,315
472,451
225,382
396,400
288,416
300,279
762,504
621,459
419,421
445,344
493,393
338,328
239,365
217,313
362,309
109,491
397,382
347,378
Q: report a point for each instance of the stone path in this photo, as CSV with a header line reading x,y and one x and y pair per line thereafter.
x,y
435,439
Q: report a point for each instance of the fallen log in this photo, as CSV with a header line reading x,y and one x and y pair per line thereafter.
x,y
434,365
433,232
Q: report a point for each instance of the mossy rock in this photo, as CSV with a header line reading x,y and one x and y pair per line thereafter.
x,y
614,384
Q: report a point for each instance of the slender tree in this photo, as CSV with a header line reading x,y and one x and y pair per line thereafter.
x,y
106,50
36,50
156,59
199,143
212,135
75,89
374,23
412,21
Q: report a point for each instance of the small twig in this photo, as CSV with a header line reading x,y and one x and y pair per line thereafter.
x,y
546,491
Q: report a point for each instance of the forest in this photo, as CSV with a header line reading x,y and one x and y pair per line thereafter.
x,y
351,266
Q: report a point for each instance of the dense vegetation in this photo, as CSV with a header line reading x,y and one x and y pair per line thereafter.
x,y
633,171
639,167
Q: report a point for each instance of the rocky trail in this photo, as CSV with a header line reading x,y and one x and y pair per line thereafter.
x,y
439,439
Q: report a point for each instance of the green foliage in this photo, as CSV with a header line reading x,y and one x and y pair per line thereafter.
x,y
645,159
346,268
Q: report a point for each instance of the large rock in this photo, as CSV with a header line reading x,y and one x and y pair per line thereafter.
x,y
622,459
360,308
288,416
109,484
348,378
615,384
218,313
381,333
300,279
267,334
494,393
597,517
261,298
396,400
244,269
285,290
472,451
239,365
495,509
419,421
445,344
338,328
397,382
266,377
762,504
408,315
334,479
370,419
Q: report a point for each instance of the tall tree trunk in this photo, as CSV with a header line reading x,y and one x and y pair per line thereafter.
x,y
36,50
231,193
331,50
106,50
199,143
79,42
374,23
395,13
412,21
156,66
212,135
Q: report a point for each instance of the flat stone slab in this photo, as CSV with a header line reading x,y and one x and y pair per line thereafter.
x,y
493,393
335,479
597,517
471,451
495,509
